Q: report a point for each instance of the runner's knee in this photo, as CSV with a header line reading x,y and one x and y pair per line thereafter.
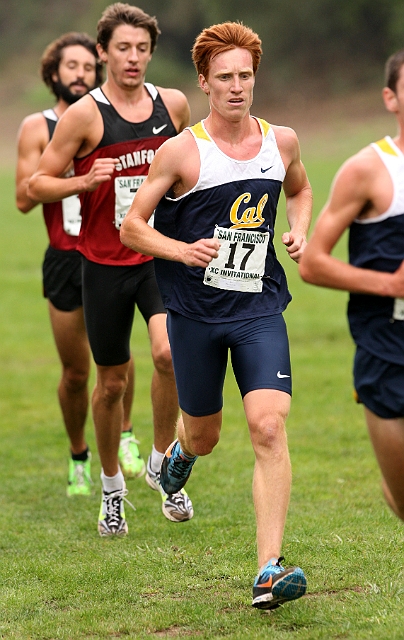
x,y
112,389
267,430
74,380
162,359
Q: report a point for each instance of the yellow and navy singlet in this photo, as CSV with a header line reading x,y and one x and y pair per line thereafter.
x,y
376,322
235,201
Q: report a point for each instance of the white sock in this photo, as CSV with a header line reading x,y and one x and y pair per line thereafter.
x,y
156,459
114,483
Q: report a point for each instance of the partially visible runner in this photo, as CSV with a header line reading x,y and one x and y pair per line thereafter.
x,y
367,198
215,189
70,68
112,135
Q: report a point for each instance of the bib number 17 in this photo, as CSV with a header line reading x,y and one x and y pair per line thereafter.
x,y
241,261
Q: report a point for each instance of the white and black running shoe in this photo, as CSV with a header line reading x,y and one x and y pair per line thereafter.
x,y
176,507
111,521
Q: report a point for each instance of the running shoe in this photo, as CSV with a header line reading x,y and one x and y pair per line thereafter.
x,y
79,481
176,507
275,585
111,521
175,468
130,460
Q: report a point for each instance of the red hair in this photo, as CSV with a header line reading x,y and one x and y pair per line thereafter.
x,y
223,37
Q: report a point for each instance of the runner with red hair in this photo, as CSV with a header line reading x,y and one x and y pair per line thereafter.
x,y
215,189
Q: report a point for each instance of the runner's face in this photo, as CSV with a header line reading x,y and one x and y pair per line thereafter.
x,y
76,73
230,84
127,56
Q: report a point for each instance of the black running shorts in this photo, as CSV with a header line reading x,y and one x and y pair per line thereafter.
x,y
110,294
379,384
61,272
259,351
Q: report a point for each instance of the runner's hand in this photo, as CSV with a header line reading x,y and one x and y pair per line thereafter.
x,y
397,282
200,253
295,245
100,172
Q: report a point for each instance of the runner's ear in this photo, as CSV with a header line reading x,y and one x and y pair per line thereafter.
x,y
203,83
390,100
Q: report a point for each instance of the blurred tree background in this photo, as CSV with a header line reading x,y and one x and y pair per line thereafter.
x,y
314,50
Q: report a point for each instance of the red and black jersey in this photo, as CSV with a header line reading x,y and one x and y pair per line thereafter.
x,y
53,211
104,209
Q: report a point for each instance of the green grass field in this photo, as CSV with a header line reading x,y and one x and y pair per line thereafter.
x,y
60,580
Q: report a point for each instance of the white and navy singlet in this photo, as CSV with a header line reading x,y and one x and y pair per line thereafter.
x,y
235,201
376,322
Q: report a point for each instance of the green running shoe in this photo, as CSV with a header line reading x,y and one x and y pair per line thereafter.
x,y
130,460
79,482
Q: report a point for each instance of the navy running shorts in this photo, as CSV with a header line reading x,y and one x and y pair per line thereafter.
x,y
259,350
110,294
61,277
379,384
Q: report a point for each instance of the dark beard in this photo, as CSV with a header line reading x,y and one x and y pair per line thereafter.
x,y
63,92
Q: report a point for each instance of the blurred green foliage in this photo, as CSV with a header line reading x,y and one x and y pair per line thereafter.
x,y
316,46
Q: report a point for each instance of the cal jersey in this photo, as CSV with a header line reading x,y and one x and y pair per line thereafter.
x,y
62,218
235,201
103,210
377,323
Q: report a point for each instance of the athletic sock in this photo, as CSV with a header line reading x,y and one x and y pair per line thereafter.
x,y
186,456
156,459
114,483
81,457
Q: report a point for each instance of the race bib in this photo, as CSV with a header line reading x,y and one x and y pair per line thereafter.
x,y
398,311
71,215
240,265
125,191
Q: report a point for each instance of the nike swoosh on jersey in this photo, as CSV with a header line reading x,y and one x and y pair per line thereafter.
x,y
157,130
265,170
282,375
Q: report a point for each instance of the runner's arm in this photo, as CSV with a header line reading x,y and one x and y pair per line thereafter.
x,y
165,171
298,194
32,139
350,193
47,183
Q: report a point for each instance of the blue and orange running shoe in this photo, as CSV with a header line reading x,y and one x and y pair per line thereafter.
x,y
175,468
275,585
